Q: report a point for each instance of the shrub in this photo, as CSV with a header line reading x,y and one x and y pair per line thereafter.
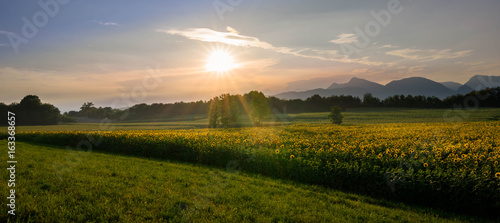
x,y
335,115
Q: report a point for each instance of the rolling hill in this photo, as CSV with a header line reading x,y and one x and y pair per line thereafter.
x,y
408,86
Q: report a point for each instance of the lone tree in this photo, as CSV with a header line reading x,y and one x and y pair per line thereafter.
x,y
335,115
258,102
213,114
223,109
86,109
228,110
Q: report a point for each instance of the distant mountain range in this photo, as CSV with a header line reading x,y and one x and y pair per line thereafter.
x,y
408,86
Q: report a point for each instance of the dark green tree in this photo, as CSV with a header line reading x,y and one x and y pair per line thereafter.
x,y
335,115
3,109
223,109
86,109
370,100
31,111
228,110
258,104
213,113
30,102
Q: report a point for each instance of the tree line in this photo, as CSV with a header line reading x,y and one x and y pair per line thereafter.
x,y
223,110
489,97
141,111
31,111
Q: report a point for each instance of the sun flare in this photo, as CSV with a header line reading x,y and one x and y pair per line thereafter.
x,y
220,61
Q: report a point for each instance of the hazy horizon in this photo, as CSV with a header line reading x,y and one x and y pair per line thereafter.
x,y
71,52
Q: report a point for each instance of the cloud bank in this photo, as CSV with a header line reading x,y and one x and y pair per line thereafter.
x,y
235,39
428,55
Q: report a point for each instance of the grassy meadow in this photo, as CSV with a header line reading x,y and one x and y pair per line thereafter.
x,y
104,187
380,165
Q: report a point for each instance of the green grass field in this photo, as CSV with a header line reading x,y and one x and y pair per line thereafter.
x,y
112,188
351,117
401,115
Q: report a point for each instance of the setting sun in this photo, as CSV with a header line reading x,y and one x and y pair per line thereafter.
x,y
220,61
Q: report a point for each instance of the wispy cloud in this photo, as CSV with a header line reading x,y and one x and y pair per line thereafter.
x,y
345,38
389,46
236,39
107,23
208,35
416,69
231,29
428,55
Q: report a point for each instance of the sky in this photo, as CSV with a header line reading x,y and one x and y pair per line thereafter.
x,y
120,52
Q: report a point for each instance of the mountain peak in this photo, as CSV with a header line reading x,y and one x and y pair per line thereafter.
x,y
362,83
414,82
408,86
357,80
411,79
357,83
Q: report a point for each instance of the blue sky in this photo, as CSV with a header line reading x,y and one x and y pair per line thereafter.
x,y
103,50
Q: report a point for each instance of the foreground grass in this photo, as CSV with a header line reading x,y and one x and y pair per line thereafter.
x,y
104,187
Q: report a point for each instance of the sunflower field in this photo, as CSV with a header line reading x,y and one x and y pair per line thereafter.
x,y
447,165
